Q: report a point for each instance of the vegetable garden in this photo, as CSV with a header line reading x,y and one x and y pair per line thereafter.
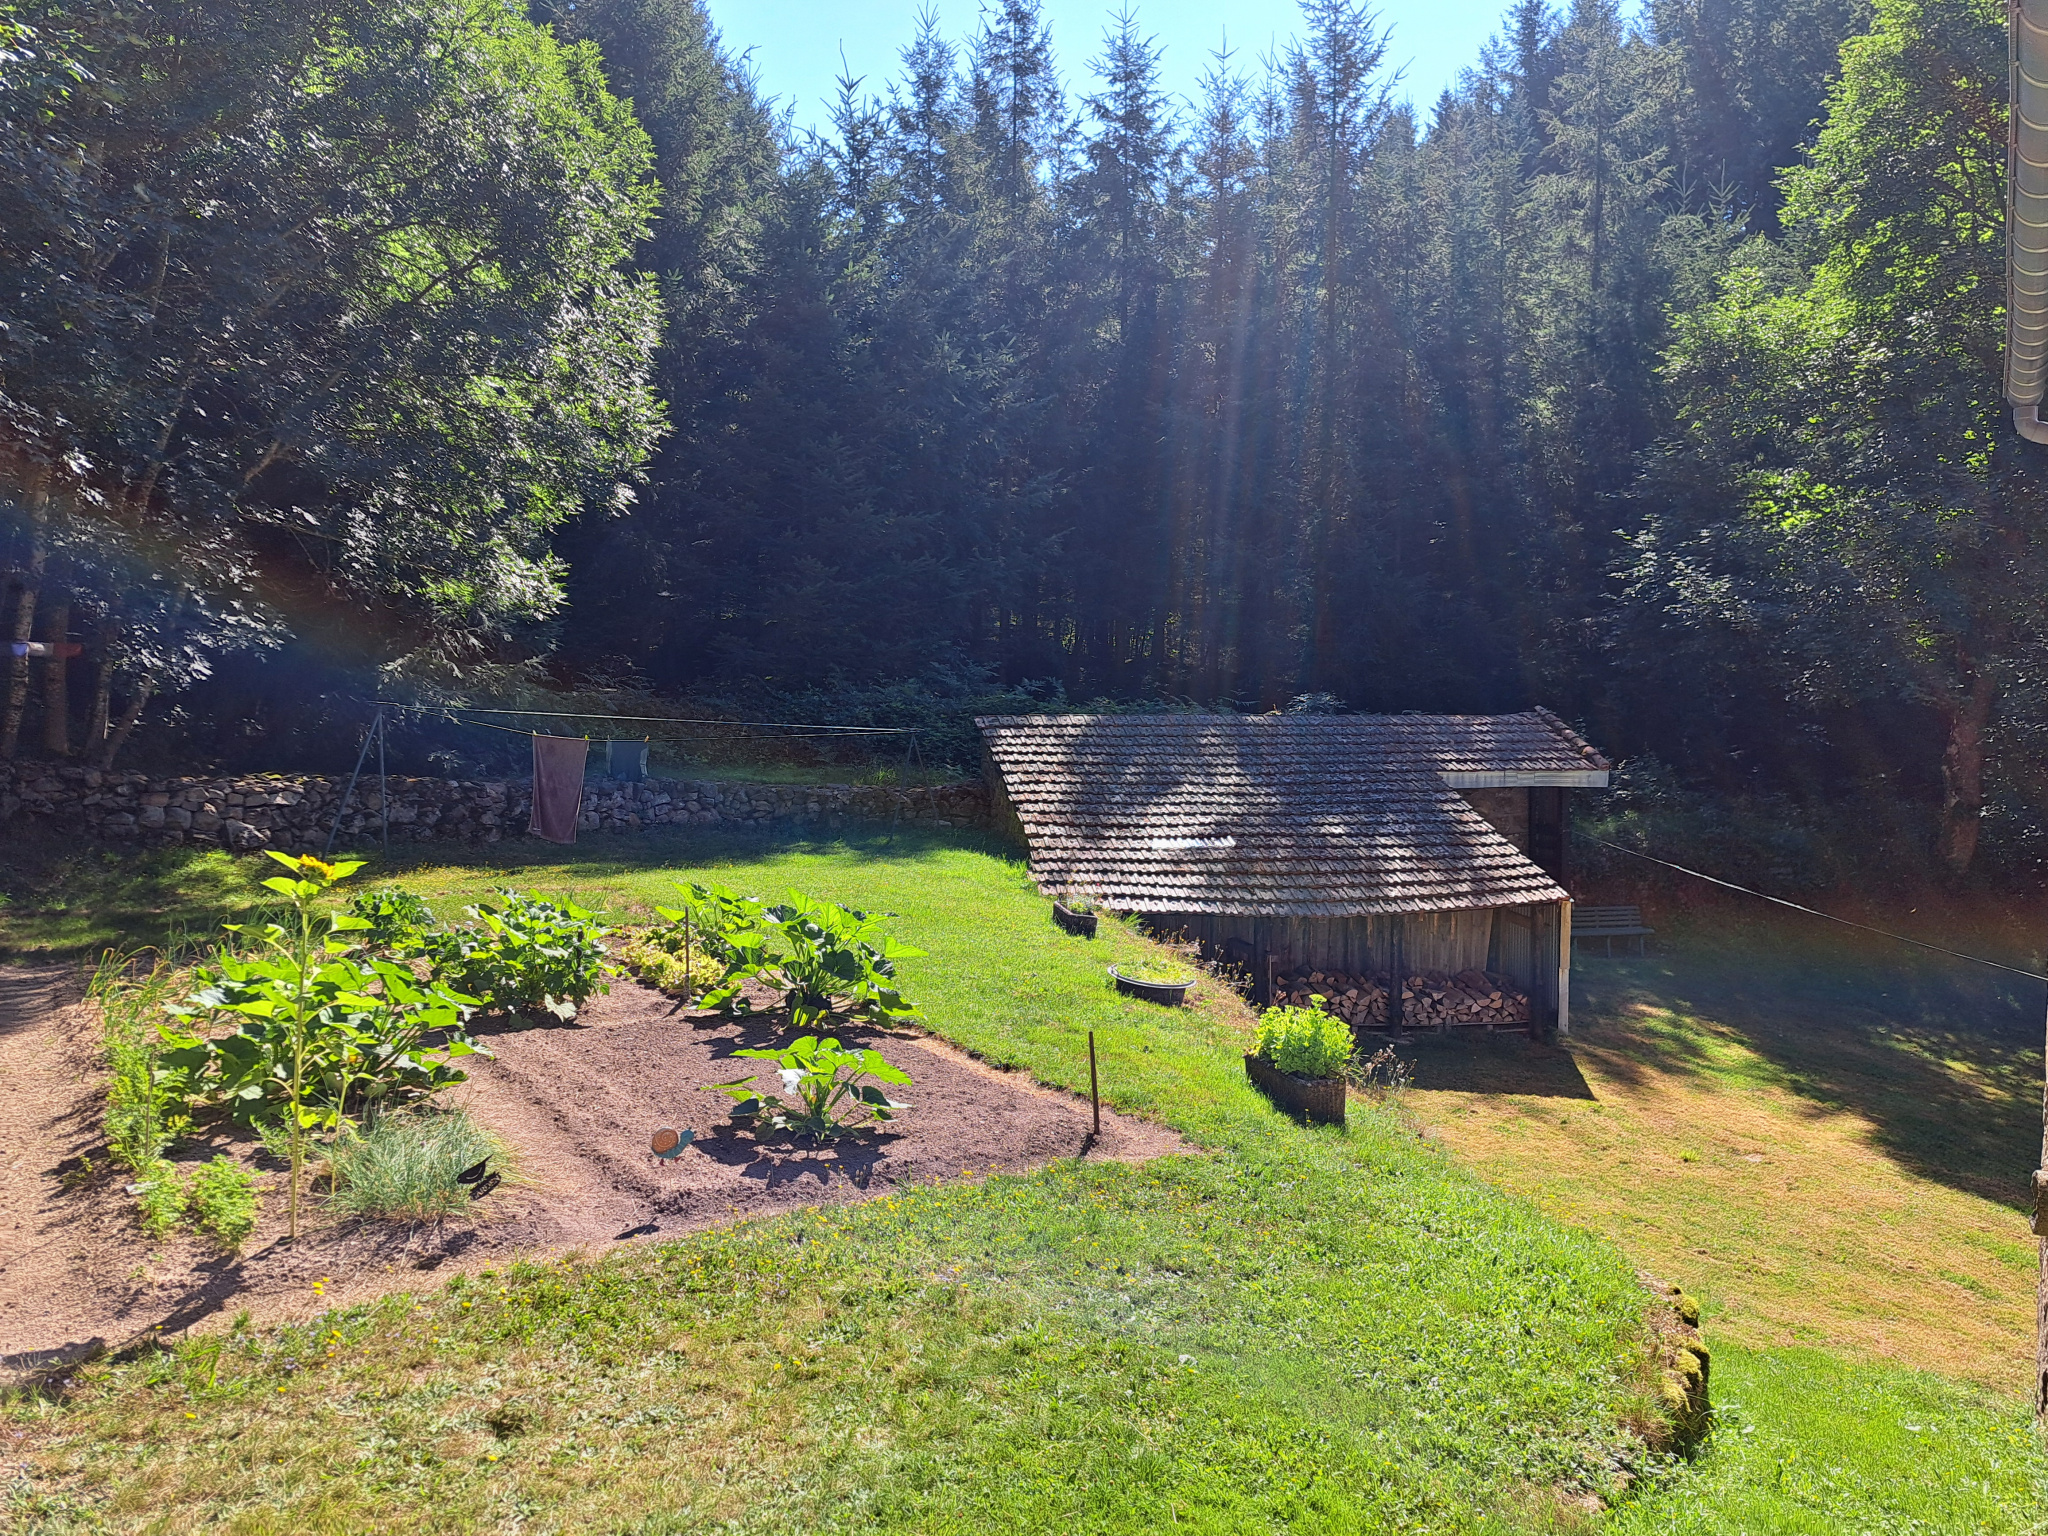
x,y
1307,1326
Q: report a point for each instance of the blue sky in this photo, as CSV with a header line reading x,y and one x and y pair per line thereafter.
x,y
794,44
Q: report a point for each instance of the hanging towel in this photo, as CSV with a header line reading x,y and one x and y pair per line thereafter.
x,y
626,759
557,786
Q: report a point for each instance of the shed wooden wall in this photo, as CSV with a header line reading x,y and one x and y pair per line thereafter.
x,y
1517,943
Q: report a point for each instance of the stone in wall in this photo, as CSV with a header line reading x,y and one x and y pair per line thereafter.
x,y
292,812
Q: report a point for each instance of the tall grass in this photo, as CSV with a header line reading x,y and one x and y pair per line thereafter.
x,y
403,1168
139,1112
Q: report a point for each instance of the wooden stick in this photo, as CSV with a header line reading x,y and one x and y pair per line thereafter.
x,y
1094,1089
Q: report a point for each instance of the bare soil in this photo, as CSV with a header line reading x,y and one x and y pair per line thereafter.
x,y
576,1104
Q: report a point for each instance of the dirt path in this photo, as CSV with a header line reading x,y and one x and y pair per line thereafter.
x,y
575,1103
49,1103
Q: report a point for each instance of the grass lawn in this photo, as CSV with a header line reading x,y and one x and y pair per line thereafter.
x,y
1827,1143
1299,1329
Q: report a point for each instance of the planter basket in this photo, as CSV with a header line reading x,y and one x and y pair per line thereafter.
x,y
1082,923
1171,993
1319,1098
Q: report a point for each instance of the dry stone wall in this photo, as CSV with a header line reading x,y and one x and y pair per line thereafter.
x,y
293,811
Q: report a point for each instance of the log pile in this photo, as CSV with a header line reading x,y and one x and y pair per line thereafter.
x,y
1429,999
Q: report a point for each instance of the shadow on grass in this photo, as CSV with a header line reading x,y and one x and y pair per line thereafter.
x,y
1944,1064
1468,1062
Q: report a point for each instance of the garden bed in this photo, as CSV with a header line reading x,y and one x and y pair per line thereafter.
x,y
577,1103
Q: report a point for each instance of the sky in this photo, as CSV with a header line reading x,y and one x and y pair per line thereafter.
x,y
794,45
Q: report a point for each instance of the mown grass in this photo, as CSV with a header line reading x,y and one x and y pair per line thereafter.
x,y
68,897
1372,1337
1294,1329
1807,1443
1827,1145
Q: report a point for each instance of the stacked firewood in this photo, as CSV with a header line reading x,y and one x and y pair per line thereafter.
x,y
1429,999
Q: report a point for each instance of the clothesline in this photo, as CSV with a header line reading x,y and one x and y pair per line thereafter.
x,y
1897,938
680,720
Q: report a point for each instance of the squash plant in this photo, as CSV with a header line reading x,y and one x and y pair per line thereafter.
x,y
528,952
831,958
710,931
824,1080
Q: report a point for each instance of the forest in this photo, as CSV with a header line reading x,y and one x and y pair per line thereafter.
x,y
435,350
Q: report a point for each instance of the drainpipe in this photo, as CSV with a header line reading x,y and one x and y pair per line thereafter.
x,y
2026,220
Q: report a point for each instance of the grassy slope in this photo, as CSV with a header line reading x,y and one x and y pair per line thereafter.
x,y
1374,1343
1321,1330
1827,1145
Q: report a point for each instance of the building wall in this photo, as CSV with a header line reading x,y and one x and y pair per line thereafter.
x,y
1506,809
1519,943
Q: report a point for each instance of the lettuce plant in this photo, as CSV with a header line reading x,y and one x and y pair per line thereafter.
x,y
1305,1041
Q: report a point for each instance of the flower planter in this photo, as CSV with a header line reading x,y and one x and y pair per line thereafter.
x,y
1319,1098
1082,923
1171,993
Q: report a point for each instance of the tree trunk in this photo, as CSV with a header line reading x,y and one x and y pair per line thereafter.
x,y
102,685
118,737
1962,773
57,682
25,615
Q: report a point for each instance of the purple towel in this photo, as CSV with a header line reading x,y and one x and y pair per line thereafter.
x,y
557,786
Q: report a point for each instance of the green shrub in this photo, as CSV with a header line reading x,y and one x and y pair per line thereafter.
x,y
222,1199
160,1199
372,1033
527,953
1305,1041
403,1168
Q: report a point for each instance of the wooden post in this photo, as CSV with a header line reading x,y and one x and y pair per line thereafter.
x,y
1564,967
1094,1089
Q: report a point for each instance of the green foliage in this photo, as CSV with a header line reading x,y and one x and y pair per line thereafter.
x,y
394,919
824,1081
525,952
1305,1041
373,1033
395,317
315,1027
1843,508
160,1198
145,1110
1152,968
821,956
223,1201
403,1166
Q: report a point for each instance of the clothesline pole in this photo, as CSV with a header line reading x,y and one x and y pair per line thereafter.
x,y
383,787
376,730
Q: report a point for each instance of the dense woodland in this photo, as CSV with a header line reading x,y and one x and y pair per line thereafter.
x,y
1652,374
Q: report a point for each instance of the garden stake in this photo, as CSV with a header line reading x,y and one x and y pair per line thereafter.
x,y
1094,1092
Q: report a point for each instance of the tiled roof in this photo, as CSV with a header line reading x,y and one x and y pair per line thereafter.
x,y
1274,815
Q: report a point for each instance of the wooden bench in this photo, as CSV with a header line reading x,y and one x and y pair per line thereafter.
x,y
1610,923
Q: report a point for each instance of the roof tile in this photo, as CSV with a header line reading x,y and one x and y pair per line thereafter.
x,y
1279,815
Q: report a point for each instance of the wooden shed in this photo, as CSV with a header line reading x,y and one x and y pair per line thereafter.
x,y
1372,844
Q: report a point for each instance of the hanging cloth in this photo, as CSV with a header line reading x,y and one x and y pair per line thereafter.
x,y
558,763
626,759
